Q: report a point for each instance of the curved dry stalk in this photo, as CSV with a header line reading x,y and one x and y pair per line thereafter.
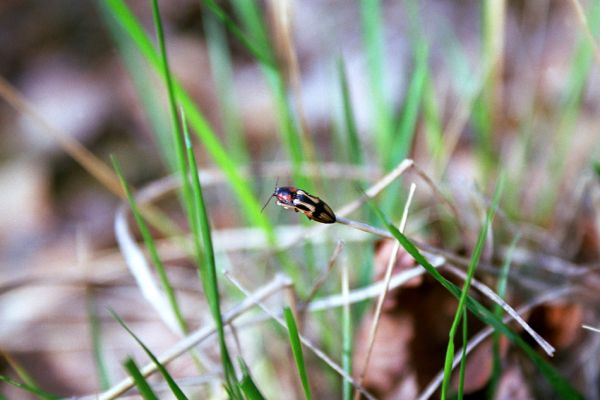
x,y
318,352
278,283
140,269
489,293
384,291
90,162
321,279
484,333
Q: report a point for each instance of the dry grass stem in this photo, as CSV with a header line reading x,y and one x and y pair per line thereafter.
x,y
384,291
590,328
321,279
489,293
92,164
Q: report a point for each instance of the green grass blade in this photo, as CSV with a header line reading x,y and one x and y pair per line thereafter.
x,y
175,127
30,388
498,312
483,234
151,246
571,104
207,265
407,124
346,338
433,122
463,358
560,384
96,333
355,155
372,27
297,350
253,44
246,199
143,80
138,379
222,72
163,371
251,16
247,384
596,168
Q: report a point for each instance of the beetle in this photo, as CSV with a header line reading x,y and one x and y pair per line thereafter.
x,y
290,197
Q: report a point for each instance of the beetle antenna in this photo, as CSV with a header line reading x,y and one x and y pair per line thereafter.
x,y
271,196
267,203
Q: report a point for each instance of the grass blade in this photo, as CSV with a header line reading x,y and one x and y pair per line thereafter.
x,y
372,27
501,290
297,350
222,72
247,385
483,234
206,263
138,379
355,155
30,388
96,333
163,371
346,336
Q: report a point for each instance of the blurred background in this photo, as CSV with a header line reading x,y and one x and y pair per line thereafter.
x,y
470,90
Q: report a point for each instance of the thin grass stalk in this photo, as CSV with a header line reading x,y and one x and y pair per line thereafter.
x,y
384,291
464,294
355,155
498,311
372,30
96,337
175,389
346,335
222,72
208,269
